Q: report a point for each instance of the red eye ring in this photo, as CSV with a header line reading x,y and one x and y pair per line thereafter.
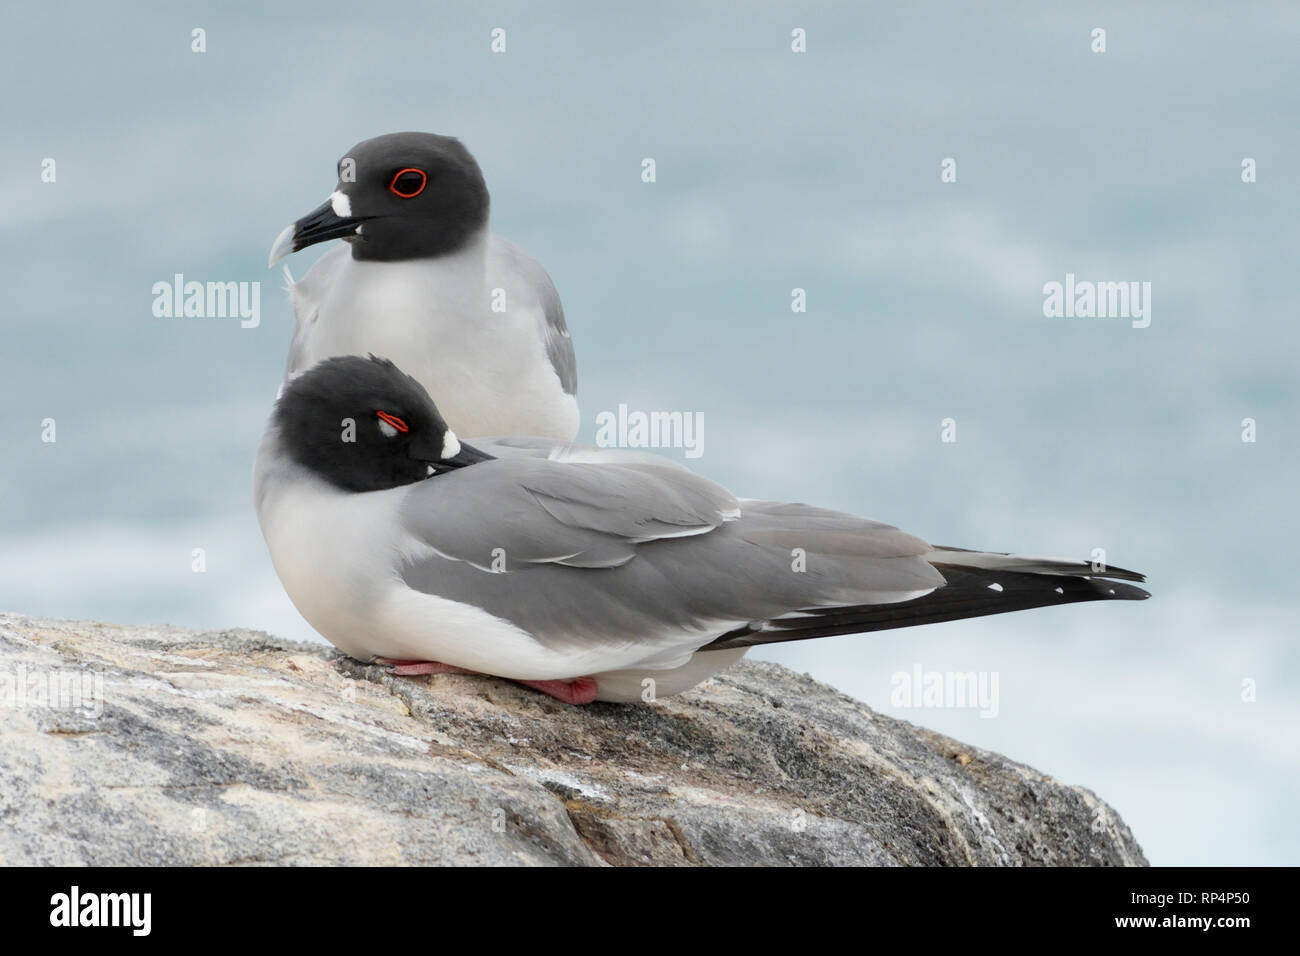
x,y
392,186
393,420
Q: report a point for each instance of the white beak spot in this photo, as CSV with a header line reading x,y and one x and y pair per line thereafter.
x,y
450,445
340,203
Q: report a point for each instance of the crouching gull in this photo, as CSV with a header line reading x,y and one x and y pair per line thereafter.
x,y
470,315
586,573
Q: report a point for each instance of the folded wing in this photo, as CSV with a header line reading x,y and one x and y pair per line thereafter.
x,y
642,555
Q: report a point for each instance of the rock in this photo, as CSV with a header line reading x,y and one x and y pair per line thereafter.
x,y
235,747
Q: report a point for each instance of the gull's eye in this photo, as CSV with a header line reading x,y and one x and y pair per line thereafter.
x,y
390,425
408,183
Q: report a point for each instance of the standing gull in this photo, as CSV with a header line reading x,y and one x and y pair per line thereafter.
x,y
470,315
588,574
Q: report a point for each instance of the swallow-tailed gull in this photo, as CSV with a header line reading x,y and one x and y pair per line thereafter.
x,y
587,573
422,280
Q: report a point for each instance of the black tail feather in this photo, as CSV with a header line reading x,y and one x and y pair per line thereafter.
x,y
970,592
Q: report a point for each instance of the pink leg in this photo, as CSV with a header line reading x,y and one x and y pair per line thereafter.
x,y
413,668
576,692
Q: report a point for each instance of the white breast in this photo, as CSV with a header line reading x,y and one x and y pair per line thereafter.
x,y
488,372
339,557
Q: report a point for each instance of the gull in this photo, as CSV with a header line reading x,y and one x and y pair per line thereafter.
x,y
421,279
585,573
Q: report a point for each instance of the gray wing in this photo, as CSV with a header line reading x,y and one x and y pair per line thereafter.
x,y
623,554
580,515
518,446
526,278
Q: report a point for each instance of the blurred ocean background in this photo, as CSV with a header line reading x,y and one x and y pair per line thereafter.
x,y
775,171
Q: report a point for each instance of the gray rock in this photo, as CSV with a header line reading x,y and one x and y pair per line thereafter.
x,y
235,747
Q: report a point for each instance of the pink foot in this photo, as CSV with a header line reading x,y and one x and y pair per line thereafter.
x,y
576,692
413,668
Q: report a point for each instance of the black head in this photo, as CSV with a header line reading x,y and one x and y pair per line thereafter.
x,y
399,196
364,425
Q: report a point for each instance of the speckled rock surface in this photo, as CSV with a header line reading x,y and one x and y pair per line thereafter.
x,y
176,747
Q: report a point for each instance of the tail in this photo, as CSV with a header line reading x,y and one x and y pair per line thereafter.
x,y
978,583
